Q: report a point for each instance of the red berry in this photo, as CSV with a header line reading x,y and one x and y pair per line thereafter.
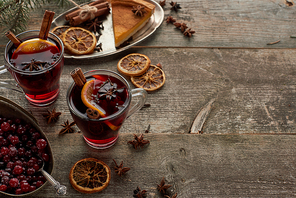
x,y
14,140
41,144
13,182
32,188
25,187
17,170
18,191
5,126
3,188
45,157
30,171
4,151
39,183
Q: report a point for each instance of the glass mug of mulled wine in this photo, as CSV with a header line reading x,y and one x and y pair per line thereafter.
x,y
36,65
110,94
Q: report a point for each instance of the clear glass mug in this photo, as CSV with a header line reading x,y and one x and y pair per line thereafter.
x,y
101,133
40,87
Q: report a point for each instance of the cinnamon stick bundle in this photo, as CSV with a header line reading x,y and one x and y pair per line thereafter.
x,y
77,20
98,4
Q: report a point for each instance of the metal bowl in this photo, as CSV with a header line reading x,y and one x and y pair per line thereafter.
x,y
10,109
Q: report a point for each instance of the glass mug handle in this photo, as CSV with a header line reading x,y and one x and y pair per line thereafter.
x,y
142,95
6,85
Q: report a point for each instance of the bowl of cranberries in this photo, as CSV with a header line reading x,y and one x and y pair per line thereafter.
x,y
23,149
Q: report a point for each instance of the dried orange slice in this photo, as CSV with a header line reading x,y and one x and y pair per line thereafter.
x,y
133,64
79,41
153,79
86,97
60,30
90,175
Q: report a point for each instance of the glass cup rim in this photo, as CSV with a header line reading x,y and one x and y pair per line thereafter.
x,y
34,72
110,117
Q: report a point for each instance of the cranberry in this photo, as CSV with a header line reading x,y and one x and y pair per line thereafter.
x,y
18,191
18,162
36,167
21,151
41,144
5,142
5,180
32,188
45,157
12,151
35,136
13,182
39,183
10,165
29,144
25,187
30,171
13,128
24,138
17,121
28,154
4,151
3,188
17,170
20,130
14,140
1,132
6,158
5,126
21,178
30,163
10,122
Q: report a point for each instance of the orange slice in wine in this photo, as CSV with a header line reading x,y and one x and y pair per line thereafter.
x,y
90,175
86,97
32,46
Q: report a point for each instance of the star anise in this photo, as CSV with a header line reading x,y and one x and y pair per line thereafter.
x,y
51,116
170,19
174,196
139,141
162,187
67,127
95,25
139,10
189,32
162,3
182,26
138,193
34,65
120,170
108,91
175,6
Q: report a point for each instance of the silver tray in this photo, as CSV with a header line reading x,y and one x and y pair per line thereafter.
x,y
107,37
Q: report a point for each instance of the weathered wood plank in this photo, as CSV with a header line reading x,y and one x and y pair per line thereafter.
x,y
226,23
254,91
195,165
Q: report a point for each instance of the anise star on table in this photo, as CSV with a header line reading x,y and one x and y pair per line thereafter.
x,y
51,116
33,65
188,32
175,6
162,187
182,26
119,169
67,127
139,141
95,25
138,193
162,3
139,10
170,19
174,196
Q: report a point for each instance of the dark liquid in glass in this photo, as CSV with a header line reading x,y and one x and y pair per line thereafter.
x,y
95,131
37,85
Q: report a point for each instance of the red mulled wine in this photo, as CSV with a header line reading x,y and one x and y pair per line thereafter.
x,y
110,96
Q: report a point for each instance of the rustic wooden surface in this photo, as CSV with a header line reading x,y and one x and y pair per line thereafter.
x,y
247,148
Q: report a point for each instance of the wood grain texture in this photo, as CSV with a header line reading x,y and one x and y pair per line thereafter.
x,y
228,23
254,91
195,165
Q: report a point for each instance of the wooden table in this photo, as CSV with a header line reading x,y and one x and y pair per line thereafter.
x,y
247,148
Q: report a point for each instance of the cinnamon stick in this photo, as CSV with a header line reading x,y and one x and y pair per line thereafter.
x,y
77,20
78,77
98,4
46,23
13,38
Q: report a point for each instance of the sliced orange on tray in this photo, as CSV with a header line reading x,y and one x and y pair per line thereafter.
x,y
90,175
60,30
79,41
151,80
133,64
86,97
